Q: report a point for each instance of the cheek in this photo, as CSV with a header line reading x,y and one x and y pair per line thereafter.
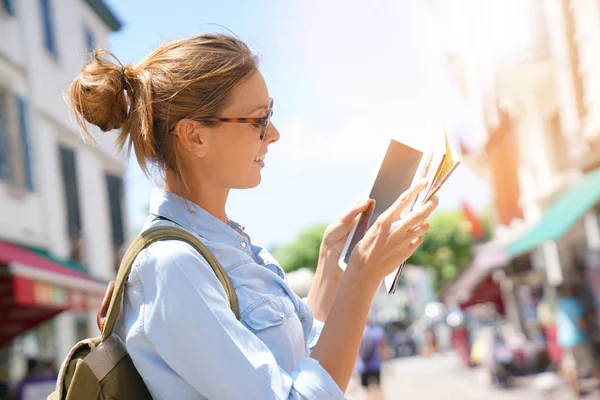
x,y
236,157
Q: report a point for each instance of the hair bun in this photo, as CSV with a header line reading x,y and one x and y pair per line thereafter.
x,y
98,93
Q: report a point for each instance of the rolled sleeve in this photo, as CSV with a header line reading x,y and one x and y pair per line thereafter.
x,y
313,382
315,330
315,334
188,320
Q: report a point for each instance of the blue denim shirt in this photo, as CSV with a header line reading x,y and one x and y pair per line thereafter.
x,y
182,335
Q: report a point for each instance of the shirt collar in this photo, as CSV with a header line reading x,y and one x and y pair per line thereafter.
x,y
195,219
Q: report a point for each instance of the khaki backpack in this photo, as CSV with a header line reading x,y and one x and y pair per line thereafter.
x,y
100,368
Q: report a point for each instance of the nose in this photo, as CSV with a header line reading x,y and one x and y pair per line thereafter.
x,y
272,134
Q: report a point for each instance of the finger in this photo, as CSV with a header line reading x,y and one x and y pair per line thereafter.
x,y
365,220
416,243
405,200
418,231
351,214
408,236
419,216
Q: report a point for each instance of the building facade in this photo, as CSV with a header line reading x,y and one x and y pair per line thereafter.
x,y
532,74
62,220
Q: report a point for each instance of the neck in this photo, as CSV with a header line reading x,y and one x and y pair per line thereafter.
x,y
210,198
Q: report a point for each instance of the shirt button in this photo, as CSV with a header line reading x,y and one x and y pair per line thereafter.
x,y
281,315
244,244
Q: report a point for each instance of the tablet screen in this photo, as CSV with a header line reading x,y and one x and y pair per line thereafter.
x,y
395,176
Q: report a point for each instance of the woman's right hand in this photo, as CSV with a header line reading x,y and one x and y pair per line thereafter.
x,y
393,238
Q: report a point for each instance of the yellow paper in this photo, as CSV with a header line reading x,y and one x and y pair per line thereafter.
x,y
448,160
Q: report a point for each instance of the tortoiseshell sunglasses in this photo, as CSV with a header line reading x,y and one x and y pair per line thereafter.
x,y
264,121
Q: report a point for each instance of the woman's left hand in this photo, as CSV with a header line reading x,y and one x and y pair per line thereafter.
x,y
336,234
327,278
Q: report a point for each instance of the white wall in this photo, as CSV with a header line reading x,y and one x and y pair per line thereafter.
x,y
95,212
50,74
12,43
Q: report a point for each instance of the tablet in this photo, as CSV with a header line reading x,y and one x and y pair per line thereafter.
x,y
393,177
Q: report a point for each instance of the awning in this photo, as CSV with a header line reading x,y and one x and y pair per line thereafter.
x,y
34,288
562,215
485,291
467,287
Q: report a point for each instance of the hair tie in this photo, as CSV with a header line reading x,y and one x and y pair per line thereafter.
x,y
123,79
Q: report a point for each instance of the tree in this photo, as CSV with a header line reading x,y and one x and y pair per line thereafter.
x,y
446,249
303,251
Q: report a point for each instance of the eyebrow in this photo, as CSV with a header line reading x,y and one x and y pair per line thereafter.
x,y
260,107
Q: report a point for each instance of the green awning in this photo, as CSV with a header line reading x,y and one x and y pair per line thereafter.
x,y
66,262
570,207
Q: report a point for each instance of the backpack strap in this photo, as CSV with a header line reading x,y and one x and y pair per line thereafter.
x,y
144,240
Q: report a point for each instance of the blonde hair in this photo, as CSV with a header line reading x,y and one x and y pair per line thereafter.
x,y
185,78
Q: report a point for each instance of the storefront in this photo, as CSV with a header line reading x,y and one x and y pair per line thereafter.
x,y
475,284
34,288
566,242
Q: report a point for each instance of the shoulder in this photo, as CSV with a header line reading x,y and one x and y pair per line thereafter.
x,y
167,262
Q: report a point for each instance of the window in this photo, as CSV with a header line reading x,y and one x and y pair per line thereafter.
x,y
48,24
115,194
8,7
69,175
90,41
114,185
15,162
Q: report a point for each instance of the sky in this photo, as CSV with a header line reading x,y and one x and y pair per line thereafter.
x,y
346,77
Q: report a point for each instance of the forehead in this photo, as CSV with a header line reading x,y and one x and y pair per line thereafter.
x,y
249,96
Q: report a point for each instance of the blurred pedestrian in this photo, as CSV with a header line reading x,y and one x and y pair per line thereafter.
x,y
546,314
373,349
31,373
578,352
500,359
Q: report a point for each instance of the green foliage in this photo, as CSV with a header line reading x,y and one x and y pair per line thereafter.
x,y
487,219
446,248
303,251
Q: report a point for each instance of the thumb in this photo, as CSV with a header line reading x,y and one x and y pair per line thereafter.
x,y
352,213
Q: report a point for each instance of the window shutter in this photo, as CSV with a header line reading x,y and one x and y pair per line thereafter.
x,y
23,114
48,21
9,7
4,167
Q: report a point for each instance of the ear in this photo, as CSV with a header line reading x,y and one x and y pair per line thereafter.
x,y
193,136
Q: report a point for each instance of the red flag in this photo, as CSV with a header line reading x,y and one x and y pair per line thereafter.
x,y
475,224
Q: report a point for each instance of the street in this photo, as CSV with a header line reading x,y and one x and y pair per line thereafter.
x,y
441,377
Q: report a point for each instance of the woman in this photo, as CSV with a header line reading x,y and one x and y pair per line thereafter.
x,y
199,109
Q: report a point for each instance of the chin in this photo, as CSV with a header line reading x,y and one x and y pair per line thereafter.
x,y
249,183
